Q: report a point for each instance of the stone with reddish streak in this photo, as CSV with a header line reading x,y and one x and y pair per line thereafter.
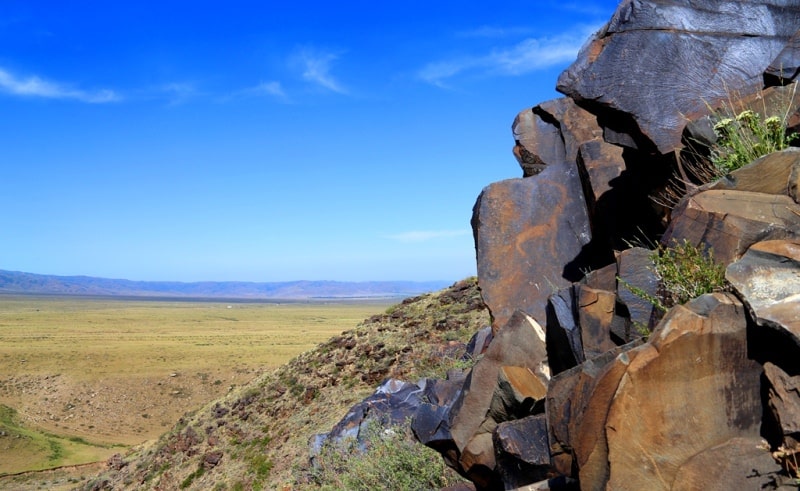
x,y
528,234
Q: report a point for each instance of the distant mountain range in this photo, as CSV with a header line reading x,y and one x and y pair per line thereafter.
x,y
29,283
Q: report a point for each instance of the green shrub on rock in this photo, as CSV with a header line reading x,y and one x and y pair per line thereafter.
x,y
687,271
745,138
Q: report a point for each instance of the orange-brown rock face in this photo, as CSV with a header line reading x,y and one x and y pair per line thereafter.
x,y
690,388
527,233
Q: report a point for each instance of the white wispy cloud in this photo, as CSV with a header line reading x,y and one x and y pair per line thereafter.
x,y
495,32
34,86
426,235
527,56
272,89
179,92
316,68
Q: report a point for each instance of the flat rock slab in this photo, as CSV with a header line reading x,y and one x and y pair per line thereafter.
x,y
690,388
658,64
768,278
739,463
731,221
771,174
577,406
528,233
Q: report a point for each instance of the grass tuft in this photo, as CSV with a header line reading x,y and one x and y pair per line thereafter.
x,y
685,271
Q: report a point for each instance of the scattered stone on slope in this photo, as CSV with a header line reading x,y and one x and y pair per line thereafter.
x,y
391,404
268,423
658,64
689,389
767,277
431,422
731,221
528,232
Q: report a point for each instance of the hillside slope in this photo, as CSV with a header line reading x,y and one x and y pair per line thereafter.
x,y
257,437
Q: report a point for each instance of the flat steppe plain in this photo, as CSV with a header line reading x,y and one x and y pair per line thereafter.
x,y
84,378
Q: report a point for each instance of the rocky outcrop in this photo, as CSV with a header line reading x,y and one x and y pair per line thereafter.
x,y
584,383
702,397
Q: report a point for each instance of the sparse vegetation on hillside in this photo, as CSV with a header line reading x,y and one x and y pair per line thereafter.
x,y
257,436
390,461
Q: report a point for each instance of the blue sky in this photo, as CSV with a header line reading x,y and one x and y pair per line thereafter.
x,y
265,141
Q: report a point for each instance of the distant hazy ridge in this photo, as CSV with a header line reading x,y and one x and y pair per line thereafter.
x,y
18,282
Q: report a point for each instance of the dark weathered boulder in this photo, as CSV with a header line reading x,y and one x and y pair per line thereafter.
x,y
538,142
431,420
690,388
602,163
784,401
528,233
739,463
786,66
473,417
519,393
392,403
564,344
731,221
596,317
583,323
523,453
478,342
577,407
658,64
768,278
551,133
604,278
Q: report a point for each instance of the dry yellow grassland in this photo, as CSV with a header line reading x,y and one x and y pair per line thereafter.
x,y
81,378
